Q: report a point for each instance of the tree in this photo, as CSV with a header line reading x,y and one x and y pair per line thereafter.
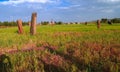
x,y
115,20
104,20
45,23
59,23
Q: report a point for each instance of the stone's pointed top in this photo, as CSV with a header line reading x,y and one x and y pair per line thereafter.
x,y
19,20
34,14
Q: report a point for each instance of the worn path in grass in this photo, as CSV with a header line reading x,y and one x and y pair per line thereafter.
x,y
55,61
114,49
28,47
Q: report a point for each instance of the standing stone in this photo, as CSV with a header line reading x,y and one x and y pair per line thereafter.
x,y
86,23
33,24
20,29
98,24
52,23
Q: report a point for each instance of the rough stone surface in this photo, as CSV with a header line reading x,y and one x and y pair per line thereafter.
x,y
98,24
20,29
33,24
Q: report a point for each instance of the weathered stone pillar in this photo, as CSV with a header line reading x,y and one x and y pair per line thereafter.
x,y
52,23
20,29
33,24
98,24
86,23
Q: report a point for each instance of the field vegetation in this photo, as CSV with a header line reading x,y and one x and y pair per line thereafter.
x,y
61,48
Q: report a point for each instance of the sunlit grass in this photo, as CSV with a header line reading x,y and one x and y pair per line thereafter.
x,y
75,48
9,36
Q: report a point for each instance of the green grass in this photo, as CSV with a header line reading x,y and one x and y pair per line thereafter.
x,y
78,47
9,36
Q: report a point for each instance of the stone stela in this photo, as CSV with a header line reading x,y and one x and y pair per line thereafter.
x,y
98,24
33,24
20,29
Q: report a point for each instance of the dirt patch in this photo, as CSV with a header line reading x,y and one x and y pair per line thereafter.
x,y
115,49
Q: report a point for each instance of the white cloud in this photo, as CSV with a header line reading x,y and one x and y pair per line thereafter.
x,y
33,6
70,7
64,7
109,1
23,1
107,11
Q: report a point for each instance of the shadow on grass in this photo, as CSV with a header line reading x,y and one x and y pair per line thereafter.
x,y
5,64
80,64
51,68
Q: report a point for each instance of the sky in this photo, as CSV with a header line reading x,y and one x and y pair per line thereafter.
x,y
59,10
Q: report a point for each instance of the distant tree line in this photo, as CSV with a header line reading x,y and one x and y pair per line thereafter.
x,y
12,23
114,20
103,20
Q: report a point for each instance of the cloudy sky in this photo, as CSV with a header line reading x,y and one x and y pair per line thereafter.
x,y
59,10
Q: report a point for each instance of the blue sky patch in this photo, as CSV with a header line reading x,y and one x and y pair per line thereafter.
x,y
59,10
3,0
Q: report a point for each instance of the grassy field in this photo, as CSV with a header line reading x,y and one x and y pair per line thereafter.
x,y
64,48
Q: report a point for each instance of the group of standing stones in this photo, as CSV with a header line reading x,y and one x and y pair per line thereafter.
x,y
98,23
32,24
